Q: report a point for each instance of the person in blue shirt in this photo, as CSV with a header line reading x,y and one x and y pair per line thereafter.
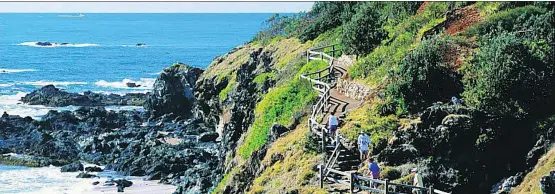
x,y
374,169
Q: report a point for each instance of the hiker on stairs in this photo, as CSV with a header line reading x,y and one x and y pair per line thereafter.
x,y
333,122
363,145
374,169
417,181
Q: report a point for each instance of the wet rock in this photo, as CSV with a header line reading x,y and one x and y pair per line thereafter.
x,y
73,167
49,95
95,183
85,175
43,44
208,136
93,169
132,85
123,182
140,44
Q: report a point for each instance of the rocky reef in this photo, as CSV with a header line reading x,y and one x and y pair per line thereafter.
x,y
49,95
181,150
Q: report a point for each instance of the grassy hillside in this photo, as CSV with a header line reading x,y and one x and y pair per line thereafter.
x,y
530,184
497,56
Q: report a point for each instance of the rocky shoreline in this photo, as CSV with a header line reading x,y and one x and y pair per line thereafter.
x,y
166,142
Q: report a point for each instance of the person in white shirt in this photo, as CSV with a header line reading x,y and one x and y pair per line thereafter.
x,y
417,181
363,145
333,122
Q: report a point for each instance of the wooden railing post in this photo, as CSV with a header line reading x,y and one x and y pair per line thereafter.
x,y
352,178
324,143
386,185
322,176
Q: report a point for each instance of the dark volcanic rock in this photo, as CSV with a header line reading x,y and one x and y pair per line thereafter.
x,y
51,96
85,175
73,167
93,169
132,85
208,136
43,44
173,91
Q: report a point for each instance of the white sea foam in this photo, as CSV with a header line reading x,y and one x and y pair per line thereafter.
x,y
6,85
16,179
55,83
34,44
15,70
145,83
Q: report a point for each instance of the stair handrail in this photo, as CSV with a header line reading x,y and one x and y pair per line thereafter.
x,y
327,82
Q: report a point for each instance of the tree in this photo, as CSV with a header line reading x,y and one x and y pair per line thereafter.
x,y
363,32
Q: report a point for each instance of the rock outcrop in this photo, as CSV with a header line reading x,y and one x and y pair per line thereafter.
x,y
49,95
173,91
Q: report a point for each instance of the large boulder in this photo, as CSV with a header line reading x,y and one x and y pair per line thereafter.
x,y
173,91
51,96
73,167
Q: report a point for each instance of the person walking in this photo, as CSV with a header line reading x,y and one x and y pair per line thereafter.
x,y
363,145
417,181
333,122
374,169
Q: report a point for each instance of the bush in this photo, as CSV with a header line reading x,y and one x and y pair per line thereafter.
x,y
506,78
424,77
363,32
508,20
325,16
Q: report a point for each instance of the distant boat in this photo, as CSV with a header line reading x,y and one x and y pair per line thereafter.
x,y
72,16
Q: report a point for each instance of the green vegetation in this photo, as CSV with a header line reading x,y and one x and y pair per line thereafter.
x,y
502,66
291,173
507,78
368,119
424,76
374,67
260,79
24,161
542,168
229,87
508,20
278,106
363,31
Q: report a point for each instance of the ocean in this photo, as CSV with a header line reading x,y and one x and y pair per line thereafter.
x,y
100,52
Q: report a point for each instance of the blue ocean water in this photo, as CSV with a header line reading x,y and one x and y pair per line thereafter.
x,y
101,54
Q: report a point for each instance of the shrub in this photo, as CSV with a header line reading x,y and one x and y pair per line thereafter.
x,y
506,78
325,16
424,77
363,32
390,173
506,20
402,36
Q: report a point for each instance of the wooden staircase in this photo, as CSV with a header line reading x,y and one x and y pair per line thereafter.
x,y
338,170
